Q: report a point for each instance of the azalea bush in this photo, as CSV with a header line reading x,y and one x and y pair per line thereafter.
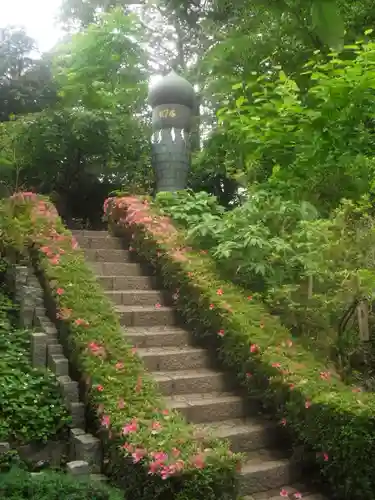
x,y
332,420
152,450
31,407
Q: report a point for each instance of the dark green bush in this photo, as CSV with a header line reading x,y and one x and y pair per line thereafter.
x,y
21,485
31,406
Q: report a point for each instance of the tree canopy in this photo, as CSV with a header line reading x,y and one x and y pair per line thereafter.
x,y
277,107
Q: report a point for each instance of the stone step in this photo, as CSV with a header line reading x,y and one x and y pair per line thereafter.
x,y
157,336
293,491
200,408
99,243
116,269
88,233
187,381
138,297
263,471
107,255
122,283
244,435
146,316
174,358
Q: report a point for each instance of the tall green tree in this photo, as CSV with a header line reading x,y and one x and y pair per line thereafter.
x,y
26,84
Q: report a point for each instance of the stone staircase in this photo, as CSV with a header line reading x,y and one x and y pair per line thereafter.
x,y
188,378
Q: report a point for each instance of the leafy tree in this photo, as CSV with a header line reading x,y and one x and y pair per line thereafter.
x,y
25,84
322,139
103,67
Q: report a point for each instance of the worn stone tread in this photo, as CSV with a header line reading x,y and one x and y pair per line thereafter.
x,y
157,336
90,233
227,427
157,351
292,489
260,463
146,298
115,268
146,316
184,374
111,282
198,398
263,471
187,381
121,308
174,358
205,407
106,255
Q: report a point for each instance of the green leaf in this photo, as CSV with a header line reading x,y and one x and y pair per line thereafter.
x,y
240,101
328,23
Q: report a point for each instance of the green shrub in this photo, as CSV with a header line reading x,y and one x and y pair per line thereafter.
x,y
31,406
120,394
21,485
308,270
187,208
331,419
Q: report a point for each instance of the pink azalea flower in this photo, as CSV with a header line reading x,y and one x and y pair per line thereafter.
x,y
105,421
81,322
156,426
198,461
128,428
160,456
138,454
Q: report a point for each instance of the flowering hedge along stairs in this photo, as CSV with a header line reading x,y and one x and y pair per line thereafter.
x,y
187,377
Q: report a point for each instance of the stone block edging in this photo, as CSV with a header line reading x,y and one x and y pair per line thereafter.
x,y
84,451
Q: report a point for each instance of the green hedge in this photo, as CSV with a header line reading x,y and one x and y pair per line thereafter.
x,y
120,394
21,485
333,420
